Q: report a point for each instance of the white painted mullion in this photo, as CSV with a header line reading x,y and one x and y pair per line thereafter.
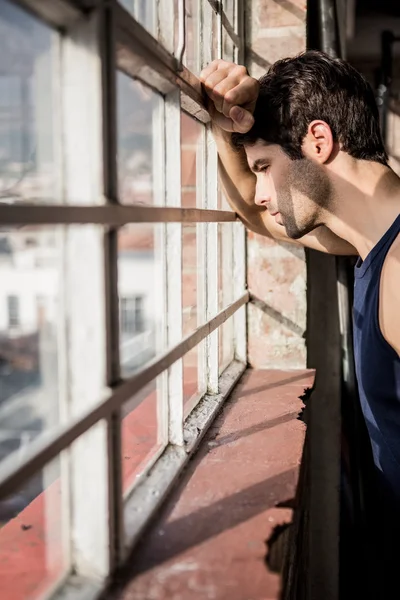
x,y
239,232
211,273
169,392
201,202
159,138
201,242
173,280
61,326
84,280
210,230
239,285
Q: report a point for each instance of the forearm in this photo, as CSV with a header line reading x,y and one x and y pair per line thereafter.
x,y
238,182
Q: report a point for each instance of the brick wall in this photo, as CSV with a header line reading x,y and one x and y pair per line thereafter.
x,y
276,272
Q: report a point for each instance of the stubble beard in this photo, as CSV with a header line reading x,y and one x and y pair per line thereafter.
x,y
307,180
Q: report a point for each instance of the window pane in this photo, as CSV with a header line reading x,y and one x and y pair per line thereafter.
x,y
144,431
191,58
30,335
209,36
229,30
29,165
139,113
226,345
225,284
160,18
226,274
140,300
192,303
191,160
144,11
32,537
194,384
192,257
140,289
225,292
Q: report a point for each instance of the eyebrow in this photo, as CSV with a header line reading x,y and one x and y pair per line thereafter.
x,y
258,164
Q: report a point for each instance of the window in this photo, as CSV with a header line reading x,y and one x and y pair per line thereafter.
x,y
132,315
122,325
13,311
28,108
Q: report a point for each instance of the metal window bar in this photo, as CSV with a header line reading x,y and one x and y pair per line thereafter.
x,y
112,215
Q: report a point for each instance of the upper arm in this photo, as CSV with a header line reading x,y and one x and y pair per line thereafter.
x,y
324,240
389,298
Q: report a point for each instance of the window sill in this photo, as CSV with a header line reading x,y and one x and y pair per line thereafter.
x,y
211,537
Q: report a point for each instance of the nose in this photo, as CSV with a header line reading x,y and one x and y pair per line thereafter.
x,y
263,194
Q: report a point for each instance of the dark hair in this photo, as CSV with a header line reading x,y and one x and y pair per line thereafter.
x,y
295,91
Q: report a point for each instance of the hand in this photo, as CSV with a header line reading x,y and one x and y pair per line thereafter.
x,y
233,94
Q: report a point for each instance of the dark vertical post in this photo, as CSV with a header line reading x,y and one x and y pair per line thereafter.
x,y
324,354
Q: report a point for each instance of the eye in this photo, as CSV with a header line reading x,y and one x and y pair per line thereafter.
x,y
264,168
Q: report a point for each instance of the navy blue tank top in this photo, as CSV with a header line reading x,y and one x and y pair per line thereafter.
x,y
378,367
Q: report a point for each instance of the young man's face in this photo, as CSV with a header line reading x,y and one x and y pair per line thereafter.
x,y
295,192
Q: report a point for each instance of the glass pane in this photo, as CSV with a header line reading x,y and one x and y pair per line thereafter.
x,y
139,113
32,537
144,431
228,30
191,160
30,335
193,376
191,279
191,58
225,286
192,303
159,17
140,302
144,11
226,347
29,166
209,36
225,264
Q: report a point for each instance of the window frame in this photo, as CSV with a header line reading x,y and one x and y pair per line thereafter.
x,y
113,38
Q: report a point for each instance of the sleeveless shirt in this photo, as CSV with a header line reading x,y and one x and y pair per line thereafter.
x,y
378,369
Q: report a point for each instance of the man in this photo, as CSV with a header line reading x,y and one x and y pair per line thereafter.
x,y
302,160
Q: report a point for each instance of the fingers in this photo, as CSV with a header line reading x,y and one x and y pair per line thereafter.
x,y
243,94
239,120
242,119
215,86
230,88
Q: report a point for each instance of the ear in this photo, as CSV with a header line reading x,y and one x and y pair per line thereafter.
x,y
318,143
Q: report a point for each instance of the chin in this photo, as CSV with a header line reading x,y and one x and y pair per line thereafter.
x,y
296,232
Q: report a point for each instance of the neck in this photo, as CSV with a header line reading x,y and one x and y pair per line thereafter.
x,y
366,202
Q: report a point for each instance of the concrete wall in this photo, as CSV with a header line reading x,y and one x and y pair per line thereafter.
x,y
276,272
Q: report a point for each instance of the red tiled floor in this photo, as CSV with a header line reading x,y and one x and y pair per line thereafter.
x,y
210,540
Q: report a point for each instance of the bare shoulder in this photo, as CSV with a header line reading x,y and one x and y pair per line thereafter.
x,y
389,297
